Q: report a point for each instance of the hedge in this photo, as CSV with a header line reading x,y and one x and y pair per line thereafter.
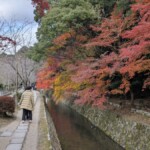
x,y
7,104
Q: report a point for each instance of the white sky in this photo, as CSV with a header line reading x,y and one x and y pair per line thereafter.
x,y
18,9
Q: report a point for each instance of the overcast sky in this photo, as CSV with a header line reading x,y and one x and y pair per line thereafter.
x,y
17,9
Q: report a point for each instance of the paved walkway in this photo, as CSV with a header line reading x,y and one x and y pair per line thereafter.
x,y
21,136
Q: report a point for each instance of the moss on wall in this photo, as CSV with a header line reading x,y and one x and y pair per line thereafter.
x,y
130,135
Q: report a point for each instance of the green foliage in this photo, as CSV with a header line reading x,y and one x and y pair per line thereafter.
x,y
124,6
65,15
116,81
104,7
76,13
104,58
38,51
1,86
18,95
36,16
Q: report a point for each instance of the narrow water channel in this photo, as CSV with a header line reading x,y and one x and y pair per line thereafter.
x,y
76,133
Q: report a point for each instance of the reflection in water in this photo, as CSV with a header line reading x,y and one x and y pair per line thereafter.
x,y
77,133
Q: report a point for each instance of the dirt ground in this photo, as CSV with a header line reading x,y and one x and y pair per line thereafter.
x,y
4,121
7,119
125,110
127,114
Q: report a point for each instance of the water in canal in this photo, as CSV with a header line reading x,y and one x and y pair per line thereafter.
x,y
76,133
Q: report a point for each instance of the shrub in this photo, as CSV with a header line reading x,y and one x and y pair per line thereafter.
x,y
7,104
18,96
1,86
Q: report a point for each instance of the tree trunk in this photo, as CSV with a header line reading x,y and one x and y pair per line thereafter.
x,y
132,97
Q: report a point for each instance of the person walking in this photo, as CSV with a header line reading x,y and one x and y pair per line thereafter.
x,y
26,104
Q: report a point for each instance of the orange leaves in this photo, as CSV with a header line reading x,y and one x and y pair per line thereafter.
x,y
91,96
46,76
100,102
109,32
81,38
92,83
129,56
69,44
141,6
135,55
43,79
132,53
65,37
62,39
107,59
146,83
63,86
123,60
116,91
125,85
45,84
140,32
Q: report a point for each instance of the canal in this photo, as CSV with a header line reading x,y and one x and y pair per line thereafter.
x,y
76,133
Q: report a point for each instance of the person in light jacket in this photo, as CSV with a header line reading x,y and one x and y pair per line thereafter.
x,y
27,103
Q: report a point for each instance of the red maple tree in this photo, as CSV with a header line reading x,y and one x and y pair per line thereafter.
x,y
5,42
135,55
41,6
46,75
121,68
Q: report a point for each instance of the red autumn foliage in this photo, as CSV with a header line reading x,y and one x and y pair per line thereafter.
x,y
6,41
128,40
41,6
146,83
46,75
94,89
43,79
66,37
110,30
135,54
62,39
131,60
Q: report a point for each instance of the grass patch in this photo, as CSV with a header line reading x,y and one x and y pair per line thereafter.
x,y
5,120
43,141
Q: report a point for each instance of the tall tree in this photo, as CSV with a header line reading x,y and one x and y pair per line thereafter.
x,y
135,56
25,68
64,17
5,41
41,6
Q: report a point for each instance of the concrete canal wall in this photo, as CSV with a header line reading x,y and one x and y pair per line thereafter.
x,y
131,135
55,143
